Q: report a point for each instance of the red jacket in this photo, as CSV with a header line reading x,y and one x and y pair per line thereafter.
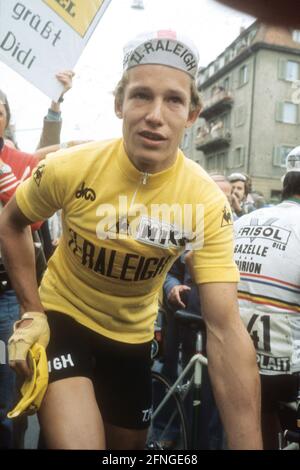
x,y
21,164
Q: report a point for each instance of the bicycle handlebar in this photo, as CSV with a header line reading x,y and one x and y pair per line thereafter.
x,y
191,319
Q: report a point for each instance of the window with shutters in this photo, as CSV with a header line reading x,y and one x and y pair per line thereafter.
x,y
292,70
243,75
222,61
216,66
279,154
238,156
287,112
227,56
289,70
216,162
211,70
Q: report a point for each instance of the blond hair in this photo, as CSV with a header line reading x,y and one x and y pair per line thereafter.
x,y
119,92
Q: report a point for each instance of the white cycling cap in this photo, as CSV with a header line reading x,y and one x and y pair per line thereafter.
x,y
237,177
293,160
164,47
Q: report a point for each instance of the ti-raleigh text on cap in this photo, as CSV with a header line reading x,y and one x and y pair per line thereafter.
x,y
162,47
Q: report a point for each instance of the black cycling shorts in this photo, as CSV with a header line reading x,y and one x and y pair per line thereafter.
x,y
120,372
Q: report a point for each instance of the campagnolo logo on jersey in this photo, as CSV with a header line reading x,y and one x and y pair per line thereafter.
x,y
270,232
60,362
161,225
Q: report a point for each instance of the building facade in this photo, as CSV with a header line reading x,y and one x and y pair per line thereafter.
x,y
251,114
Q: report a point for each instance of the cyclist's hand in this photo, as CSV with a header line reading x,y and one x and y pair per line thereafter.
x,y
175,295
32,328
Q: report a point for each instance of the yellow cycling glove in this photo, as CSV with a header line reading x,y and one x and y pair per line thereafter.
x,y
25,336
33,389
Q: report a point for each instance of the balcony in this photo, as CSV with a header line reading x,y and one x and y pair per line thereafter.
x,y
219,102
214,140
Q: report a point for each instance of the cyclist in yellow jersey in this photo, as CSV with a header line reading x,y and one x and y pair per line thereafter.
x,y
130,207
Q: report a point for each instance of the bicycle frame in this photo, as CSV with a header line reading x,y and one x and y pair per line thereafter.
x,y
197,361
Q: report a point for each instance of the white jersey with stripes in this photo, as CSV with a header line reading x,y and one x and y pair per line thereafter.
x,y
267,253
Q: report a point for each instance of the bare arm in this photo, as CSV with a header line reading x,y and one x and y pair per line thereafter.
x,y
52,128
18,255
232,366
19,259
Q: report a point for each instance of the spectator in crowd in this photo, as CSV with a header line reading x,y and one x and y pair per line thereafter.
x,y
15,166
267,243
258,199
240,191
223,182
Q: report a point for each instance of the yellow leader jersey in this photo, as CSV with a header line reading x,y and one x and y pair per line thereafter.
x,y
122,230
